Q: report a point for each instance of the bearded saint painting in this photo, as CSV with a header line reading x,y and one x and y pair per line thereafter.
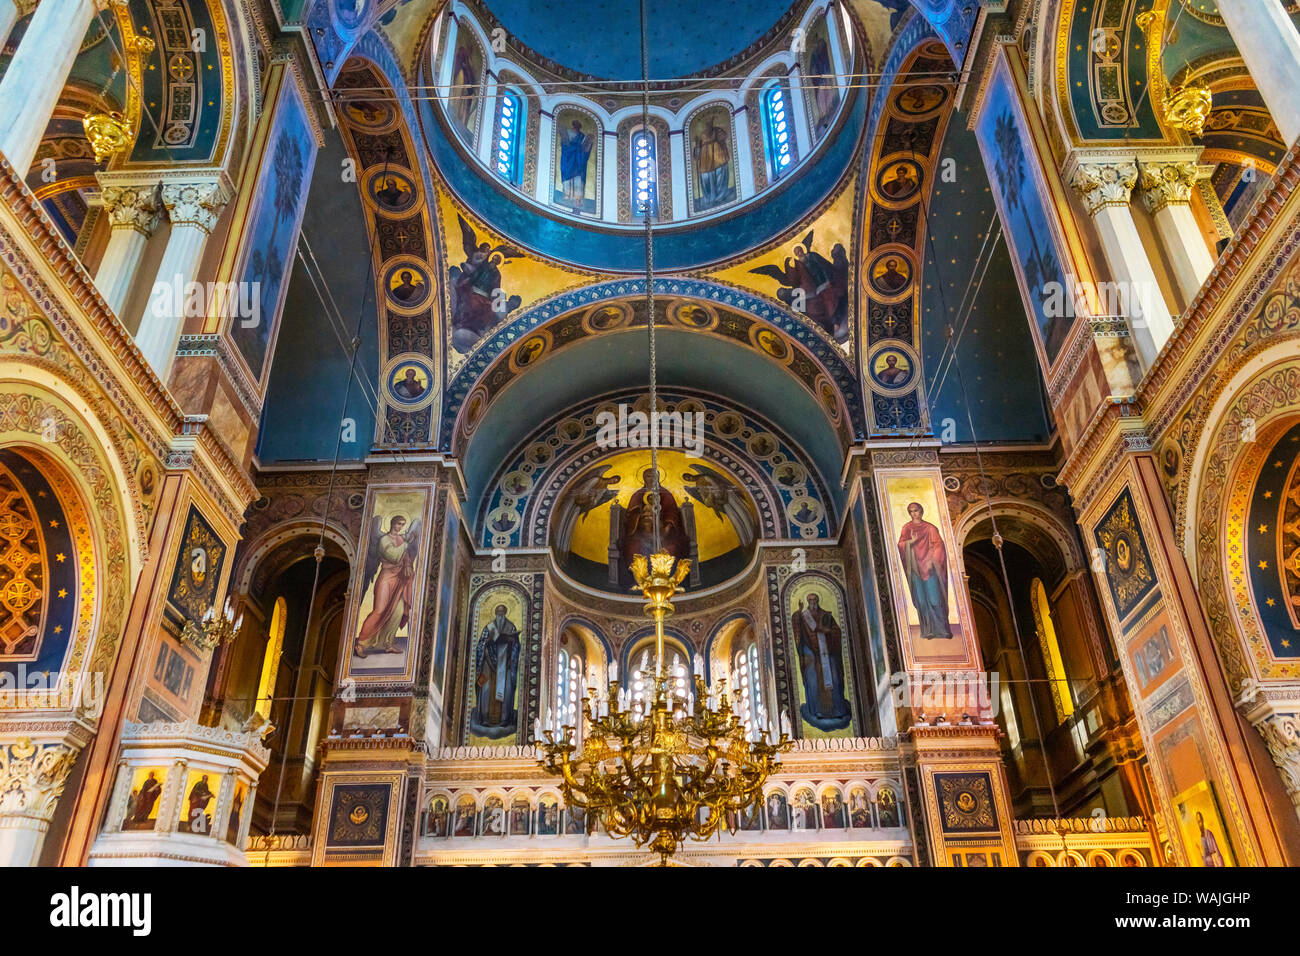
x,y
820,644
496,670
390,564
925,565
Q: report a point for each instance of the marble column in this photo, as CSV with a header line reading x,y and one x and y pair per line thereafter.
x,y
193,209
35,76
1106,186
1167,194
32,776
8,17
133,212
1269,44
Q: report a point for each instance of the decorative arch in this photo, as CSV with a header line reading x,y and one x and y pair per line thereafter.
x,y
408,300
572,316
94,489
899,171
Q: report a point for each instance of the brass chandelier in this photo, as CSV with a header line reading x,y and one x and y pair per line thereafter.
x,y
673,770
678,766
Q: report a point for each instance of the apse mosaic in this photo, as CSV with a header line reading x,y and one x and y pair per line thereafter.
x,y
562,490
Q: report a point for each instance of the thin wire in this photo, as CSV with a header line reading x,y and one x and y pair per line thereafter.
x,y
319,552
649,204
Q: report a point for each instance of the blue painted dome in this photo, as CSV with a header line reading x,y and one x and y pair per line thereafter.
x,y
602,38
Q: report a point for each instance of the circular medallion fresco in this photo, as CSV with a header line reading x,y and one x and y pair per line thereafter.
x,y
529,351
408,383
892,366
890,275
899,180
391,191
372,116
919,100
769,342
693,315
406,284
607,317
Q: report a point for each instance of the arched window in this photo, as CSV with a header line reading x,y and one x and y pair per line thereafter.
x,y
271,659
568,688
1062,697
510,138
642,685
747,688
778,130
645,173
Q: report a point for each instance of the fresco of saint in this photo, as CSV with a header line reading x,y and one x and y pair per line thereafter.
x,y
821,665
575,150
711,154
925,565
496,668
390,563
638,524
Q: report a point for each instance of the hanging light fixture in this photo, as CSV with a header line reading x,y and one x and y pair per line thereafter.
x,y
678,767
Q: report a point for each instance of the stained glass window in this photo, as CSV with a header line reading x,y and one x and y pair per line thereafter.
x,y
645,176
509,144
778,130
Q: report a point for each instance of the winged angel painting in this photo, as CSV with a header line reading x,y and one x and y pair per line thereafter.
x,y
478,302
390,568
815,286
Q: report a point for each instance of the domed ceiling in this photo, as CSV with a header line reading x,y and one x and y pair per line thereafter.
x,y
602,38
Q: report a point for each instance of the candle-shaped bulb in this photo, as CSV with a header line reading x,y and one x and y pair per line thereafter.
x,y
785,722
537,729
613,672
699,666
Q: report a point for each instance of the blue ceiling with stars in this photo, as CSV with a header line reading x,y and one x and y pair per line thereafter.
x,y
995,349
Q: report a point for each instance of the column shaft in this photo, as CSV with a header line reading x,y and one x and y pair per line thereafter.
x,y
133,212
164,316
1188,254
193,209
1147,312
36,75
1270,44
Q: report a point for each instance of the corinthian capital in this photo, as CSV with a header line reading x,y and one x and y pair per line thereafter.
x,y
1105,183
194,204
1166,182
32,776
132,207
1281,732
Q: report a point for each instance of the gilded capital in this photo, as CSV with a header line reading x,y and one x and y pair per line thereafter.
x,y
1166,183
194,204
32,776
1105,183
132,207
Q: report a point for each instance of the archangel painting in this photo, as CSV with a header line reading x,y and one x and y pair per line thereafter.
x,y
814,286
478,301
384,615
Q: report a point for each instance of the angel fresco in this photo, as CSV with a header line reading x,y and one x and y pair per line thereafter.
x,y
591,491
724,499
477,300
814,285
390,564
